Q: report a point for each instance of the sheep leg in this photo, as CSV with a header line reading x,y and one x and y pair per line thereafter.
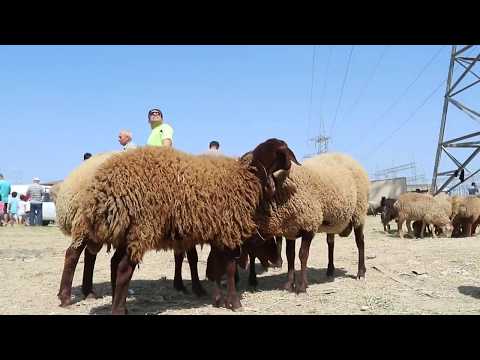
x,y
409,228
468,229
331,244
217,294
303,256
192,257
114,261
252,276
400,227
215,271
237,276
87,282
290,251
232,301
359,239
177,280
124,275
279,241
422,230
71,259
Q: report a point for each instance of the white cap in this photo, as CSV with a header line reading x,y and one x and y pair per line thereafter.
x,y
36,179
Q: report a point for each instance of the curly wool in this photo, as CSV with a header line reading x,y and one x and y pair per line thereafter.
x,y
155,198
421,207
466,208
68,194
445,203
327,194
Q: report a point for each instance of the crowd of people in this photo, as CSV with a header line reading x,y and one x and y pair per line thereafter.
x,y
27,208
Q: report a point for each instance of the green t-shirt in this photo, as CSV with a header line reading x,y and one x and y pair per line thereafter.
x,y
160,133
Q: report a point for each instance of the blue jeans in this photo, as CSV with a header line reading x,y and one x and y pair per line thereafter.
x,y
36,214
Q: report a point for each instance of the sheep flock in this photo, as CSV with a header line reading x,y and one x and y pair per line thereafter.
x,y
163,199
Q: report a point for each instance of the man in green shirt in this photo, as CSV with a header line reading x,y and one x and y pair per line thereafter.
x,y
162,134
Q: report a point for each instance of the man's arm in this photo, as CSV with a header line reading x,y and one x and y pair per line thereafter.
x,y
167,131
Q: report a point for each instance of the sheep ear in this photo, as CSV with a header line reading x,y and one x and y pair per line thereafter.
x,y
291,157
247,158
284,159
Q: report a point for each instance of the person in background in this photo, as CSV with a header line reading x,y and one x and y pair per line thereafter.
x,y
125,139
473,189
87,156
5,189
35,193
162,133
13,208
22,209
213,148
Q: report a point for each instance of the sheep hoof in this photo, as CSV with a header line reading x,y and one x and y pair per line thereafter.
x,y
120,311
301,288
218,300
65,301
330,271
91,296
277,265
361,275
289,286
180,287
253,282
199,290
232,302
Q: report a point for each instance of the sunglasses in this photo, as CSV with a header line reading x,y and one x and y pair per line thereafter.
x,y
154,113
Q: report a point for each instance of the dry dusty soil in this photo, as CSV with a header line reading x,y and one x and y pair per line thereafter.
x,y
428,276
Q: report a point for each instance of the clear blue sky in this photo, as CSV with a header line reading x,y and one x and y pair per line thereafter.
x,y
57,102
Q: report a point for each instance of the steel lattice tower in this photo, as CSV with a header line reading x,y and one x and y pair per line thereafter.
x,y
455,87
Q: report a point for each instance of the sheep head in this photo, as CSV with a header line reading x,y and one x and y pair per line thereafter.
x,y
267,158
264,250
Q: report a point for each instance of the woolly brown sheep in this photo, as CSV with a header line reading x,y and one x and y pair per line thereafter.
x,y
421,207
465,213
159,198
68,197
329,193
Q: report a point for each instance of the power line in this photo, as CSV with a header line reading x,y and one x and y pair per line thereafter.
x,y
407,120
367,82
407,89
324,88
311,92
341,91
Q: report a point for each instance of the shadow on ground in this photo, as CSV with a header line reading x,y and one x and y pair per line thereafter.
x,y
473,291
157,296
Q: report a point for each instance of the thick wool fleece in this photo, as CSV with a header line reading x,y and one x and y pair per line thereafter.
x,y
327,194
421,207
68,194
158,198
466,208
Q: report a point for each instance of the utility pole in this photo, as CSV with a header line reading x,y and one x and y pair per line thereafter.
x,y
455,87
321,145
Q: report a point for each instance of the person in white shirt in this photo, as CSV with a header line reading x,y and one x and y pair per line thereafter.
x,y
22,209
473,189
125,139
35,193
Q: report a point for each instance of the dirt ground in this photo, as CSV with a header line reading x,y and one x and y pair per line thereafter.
x,y
429,276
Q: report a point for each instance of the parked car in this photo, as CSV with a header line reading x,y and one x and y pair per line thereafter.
x,y
49,213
